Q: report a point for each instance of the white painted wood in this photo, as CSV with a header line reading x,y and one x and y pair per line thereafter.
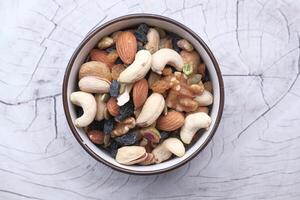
x,y
255,152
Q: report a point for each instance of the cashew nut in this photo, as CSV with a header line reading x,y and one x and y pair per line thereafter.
x,y
205,99
138,69
166,56
101,105
89,106
170,146
94,84
192,123
151,110
153,40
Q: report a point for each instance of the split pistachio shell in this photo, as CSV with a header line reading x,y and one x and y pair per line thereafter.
x,y
151,110
129,155
193,123
124,97
94,84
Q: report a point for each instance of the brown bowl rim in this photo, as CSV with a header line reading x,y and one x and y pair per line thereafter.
x,y
65,98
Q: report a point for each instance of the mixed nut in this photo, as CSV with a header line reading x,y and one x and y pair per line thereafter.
x,y
144,94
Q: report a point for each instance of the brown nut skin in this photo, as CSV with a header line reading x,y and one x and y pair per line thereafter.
x,y
102,56
96,136
140,93
171,121
112,107
126,46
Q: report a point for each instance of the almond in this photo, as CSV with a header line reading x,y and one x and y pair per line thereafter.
x,y
126,46
102,56
112,107
170,122
140,93
96,136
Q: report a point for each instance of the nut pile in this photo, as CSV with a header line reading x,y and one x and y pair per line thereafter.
x,y
144,94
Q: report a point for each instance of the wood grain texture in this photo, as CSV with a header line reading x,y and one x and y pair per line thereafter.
x,y
255,153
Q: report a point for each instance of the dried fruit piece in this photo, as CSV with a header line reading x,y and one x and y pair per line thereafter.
x,y
151,134
160,86
125,111
96,136
112,106
164,135
114,88
140,93
143,28
109,125
94,68
116,71
127,139
141,37
123,126
170,122
126,46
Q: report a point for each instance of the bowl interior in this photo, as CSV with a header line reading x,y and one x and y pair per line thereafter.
x,y
80,57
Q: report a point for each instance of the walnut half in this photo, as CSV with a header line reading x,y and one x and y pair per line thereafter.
x,y
123,127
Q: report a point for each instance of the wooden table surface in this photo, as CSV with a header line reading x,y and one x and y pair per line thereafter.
x,y
255,153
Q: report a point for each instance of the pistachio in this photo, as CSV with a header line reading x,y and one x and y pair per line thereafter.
x,y
151,134
129,155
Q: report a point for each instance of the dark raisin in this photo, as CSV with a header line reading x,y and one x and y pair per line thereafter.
x,y
125,111
79,111
109,125
205,78
110,49
143,28
113,148
164,135
141,47
114,88
128,139
141,37
96,125
119,61
174,44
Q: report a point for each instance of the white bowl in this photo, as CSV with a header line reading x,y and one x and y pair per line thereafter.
x,y
79,57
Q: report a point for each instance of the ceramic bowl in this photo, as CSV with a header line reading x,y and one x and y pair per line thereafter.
x,y
79,57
